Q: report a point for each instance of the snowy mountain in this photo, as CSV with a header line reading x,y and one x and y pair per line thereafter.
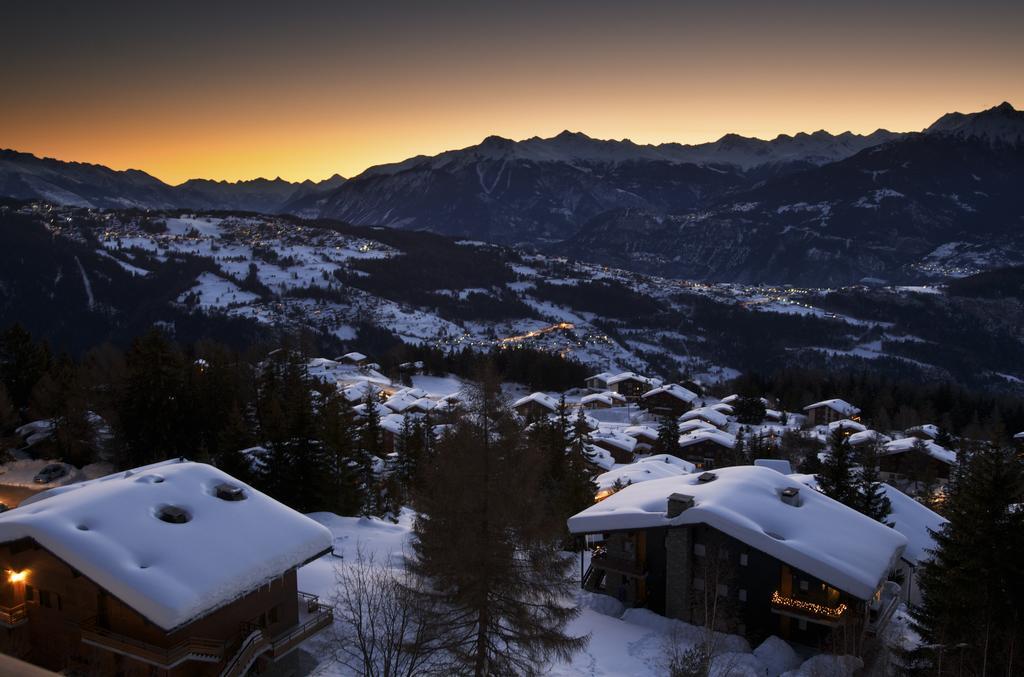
x,y
25,176
1002,125
81,277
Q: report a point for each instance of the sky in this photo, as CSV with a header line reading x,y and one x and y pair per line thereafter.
x,y
308,89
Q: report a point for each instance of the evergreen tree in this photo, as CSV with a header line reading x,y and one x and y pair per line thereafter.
x,y
8,414
338,430
749,410
22,363
483,550
973,585
836,477
871,498
668,437
60,397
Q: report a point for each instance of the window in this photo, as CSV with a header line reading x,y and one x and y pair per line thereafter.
x,y
803,586
44,598
743,595
743,559
698,549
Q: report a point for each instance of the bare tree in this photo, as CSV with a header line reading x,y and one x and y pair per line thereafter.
x,y
379,631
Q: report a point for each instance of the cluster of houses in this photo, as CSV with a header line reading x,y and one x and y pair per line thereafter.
x,y
754,549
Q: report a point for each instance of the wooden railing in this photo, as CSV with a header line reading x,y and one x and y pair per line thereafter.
x,y
13,616
623,564
254,644
321,616
193,648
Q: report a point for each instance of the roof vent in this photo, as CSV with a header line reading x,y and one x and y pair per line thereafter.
x,y
707,477
677,503
173,514
229,492
791,496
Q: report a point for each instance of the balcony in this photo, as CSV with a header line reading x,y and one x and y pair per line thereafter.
x,y
622,564
13,616
313,617
193,648
882,609
805,610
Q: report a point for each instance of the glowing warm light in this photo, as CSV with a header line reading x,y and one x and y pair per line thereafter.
x,y
603,494
810,607
538,332
17,576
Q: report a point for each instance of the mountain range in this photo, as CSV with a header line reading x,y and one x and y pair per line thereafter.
x,y
811,208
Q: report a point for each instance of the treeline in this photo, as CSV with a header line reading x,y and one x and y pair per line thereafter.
x,y
892,404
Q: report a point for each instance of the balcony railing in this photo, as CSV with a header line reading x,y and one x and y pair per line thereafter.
x,y
13,616
313,617
819,613
622,564
193,648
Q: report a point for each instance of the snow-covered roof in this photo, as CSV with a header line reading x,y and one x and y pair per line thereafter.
x,y
358,391
627,376
846,424
392,423
913,520
905,444
840,406
603,376
644,431
614,438
650,468
723,408
929,429
542,399
707,435
695,424
820,536
354,357
1019,436
675,390
608,398
108,529
706,414
866,436
779,465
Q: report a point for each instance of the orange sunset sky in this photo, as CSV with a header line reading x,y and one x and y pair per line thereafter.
x,y
304,90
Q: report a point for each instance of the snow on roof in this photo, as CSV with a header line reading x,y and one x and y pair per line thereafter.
x,y
600,457
696,424
650,468
608,398
846,424
354,357
542,399
675,390
820,536
779,465
108,529
723,408
1019,436
392,423
729,399
615,439
627,376
603,376
840,406
707,435
707,414
358,391
644,431
866,436
913,520
929,429
905,444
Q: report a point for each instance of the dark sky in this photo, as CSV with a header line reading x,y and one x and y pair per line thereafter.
x,y
304,89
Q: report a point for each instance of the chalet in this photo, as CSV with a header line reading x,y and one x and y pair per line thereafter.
x,y
694,424
390,430
915,521
629,385
535,405
668,400
598,382
644,435
707,449
405,399
620,446
928,431
745,550
863,437
170,569
650,468
723,408
827,411
358,359
706,414
605,400
910,459
846,427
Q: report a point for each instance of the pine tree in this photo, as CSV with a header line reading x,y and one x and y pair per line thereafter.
x,y
973,585
486,553
836,477
871,498
668,437
338,430
22,363
8,414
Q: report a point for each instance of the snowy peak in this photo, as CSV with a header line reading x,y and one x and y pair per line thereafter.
x,y
1002,124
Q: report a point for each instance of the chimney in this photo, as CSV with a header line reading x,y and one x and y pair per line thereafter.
x,y
707,477
677,503
791,496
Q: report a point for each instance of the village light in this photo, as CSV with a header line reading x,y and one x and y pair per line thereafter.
x,y
17,576
811,607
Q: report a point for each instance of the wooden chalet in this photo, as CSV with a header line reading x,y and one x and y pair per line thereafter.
x,y
707,449
828,411
668,400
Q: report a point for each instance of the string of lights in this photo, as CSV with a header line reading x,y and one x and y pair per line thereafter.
x,y
811,607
